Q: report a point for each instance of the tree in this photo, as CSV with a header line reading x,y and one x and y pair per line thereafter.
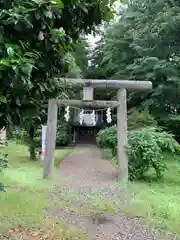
x,y
74,70
96,70
81,53
35,38
155,40
143,44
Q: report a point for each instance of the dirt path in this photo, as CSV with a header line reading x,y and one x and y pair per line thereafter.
x,y
88,197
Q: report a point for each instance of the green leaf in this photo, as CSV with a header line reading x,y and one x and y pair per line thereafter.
x,y
18,102
84,9
60,4
2,188
10,51
2,99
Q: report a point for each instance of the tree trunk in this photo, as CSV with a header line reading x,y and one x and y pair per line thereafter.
x,y
32,147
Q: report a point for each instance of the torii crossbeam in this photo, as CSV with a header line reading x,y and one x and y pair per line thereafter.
x,y
88,86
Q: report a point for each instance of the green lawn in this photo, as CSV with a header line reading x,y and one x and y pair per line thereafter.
x,y
158,202
25,203
26,196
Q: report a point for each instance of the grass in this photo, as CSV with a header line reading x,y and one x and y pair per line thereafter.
x,y
23,172
25,204
26,196
157,201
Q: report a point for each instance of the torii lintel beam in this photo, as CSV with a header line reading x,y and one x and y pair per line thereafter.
x,y
114,84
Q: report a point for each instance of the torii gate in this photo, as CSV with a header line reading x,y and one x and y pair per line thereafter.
x,y
88,86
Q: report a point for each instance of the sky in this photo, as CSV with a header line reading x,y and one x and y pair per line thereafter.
x,y
92,40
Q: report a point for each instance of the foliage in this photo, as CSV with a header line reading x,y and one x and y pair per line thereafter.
x,y
17,134
98,66
137,119
145,149
107,138
3,161
73,71
81,53
62,139
140,118
142,44
3,164
37,42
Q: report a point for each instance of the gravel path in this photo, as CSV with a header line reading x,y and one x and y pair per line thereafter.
x,y
89,197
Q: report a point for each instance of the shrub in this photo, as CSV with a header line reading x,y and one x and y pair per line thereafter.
x,y
3,164
17,134
139,119
107,138
145,149
3,161
62,137
21,136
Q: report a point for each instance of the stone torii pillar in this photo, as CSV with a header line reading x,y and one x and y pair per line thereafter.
x,y
88,85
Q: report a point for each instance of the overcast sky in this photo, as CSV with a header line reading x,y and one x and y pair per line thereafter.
x,y
92,40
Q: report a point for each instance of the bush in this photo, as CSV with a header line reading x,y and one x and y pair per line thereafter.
x,y
62,137
145,149
139,119
3,164
3,161
106,138
18,134
21,136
